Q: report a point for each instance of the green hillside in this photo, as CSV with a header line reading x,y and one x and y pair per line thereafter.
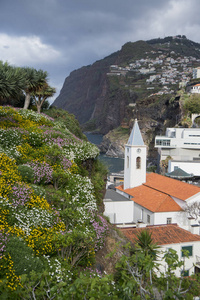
x,y
49,206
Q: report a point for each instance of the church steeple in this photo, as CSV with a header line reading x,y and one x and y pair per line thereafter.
x,y
135,137
135,159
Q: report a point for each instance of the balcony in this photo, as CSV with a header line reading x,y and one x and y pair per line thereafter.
x,y
162,142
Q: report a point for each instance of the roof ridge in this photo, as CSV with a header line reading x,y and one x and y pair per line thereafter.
x,y
164,201
151,187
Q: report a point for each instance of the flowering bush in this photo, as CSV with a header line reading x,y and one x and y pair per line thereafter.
x,y
11,137
3,241
82,192
81,151
27,153
19,194
42,172
35,138
39,119
101,229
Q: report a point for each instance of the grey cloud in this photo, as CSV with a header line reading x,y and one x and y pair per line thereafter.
x,y
83,31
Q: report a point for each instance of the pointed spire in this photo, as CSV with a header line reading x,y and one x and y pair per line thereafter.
x,y
135,138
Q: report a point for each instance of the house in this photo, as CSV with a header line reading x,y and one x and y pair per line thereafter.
x,y
191,167
149,198
173,237
179,143
195,89
196,73
182,145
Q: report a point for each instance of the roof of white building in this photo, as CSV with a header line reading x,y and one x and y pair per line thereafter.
x,y
157,193
163,234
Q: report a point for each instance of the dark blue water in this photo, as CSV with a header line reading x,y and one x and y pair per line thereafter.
x,y
113,164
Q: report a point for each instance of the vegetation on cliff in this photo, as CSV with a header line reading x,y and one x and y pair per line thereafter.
x,y
50,220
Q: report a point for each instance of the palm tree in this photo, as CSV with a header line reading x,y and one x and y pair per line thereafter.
x,y
42,94
145,243
35,79
12,81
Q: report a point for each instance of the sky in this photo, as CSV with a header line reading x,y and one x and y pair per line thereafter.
x,y
59,36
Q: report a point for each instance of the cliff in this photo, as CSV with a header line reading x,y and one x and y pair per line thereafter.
x,y
139,81
98,99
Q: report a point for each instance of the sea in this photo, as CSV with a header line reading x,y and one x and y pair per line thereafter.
x,y
114,164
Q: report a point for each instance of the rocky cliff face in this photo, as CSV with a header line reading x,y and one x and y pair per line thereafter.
x,y
83,88
98,100
153,117
114,91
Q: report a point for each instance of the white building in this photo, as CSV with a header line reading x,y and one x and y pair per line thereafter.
x,y
196,73
149,198
195,89
180,144
173,237
190,167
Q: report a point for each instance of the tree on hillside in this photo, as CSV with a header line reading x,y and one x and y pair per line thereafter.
x,y
42,94
145,243
12,82
192,105
35,80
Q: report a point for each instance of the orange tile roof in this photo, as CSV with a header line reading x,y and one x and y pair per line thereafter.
x,y
163,234
172,187
152,200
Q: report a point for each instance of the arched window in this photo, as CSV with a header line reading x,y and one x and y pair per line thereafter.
x,y
138,162
127,161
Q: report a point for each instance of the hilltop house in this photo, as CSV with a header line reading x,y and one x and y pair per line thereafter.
x,y
174,237
196,73
195,89
149,198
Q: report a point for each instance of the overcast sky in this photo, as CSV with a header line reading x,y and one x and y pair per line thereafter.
x,y
59,36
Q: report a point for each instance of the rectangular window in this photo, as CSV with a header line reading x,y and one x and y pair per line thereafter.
x,y
148,219
142,214
189,250
169,220
185,273
163,142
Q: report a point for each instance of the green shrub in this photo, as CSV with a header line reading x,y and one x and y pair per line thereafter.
x,y
23,257
26,173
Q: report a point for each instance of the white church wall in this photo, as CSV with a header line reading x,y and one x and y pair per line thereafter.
x,y
193,199
180,202
143,214
119,211
169,217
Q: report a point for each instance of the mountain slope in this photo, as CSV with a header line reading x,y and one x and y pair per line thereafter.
x,y
90,94
139,81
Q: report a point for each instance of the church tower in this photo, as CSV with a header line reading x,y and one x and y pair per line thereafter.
x,y
135,159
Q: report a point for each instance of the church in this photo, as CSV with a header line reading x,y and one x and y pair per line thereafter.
x,y
149,198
